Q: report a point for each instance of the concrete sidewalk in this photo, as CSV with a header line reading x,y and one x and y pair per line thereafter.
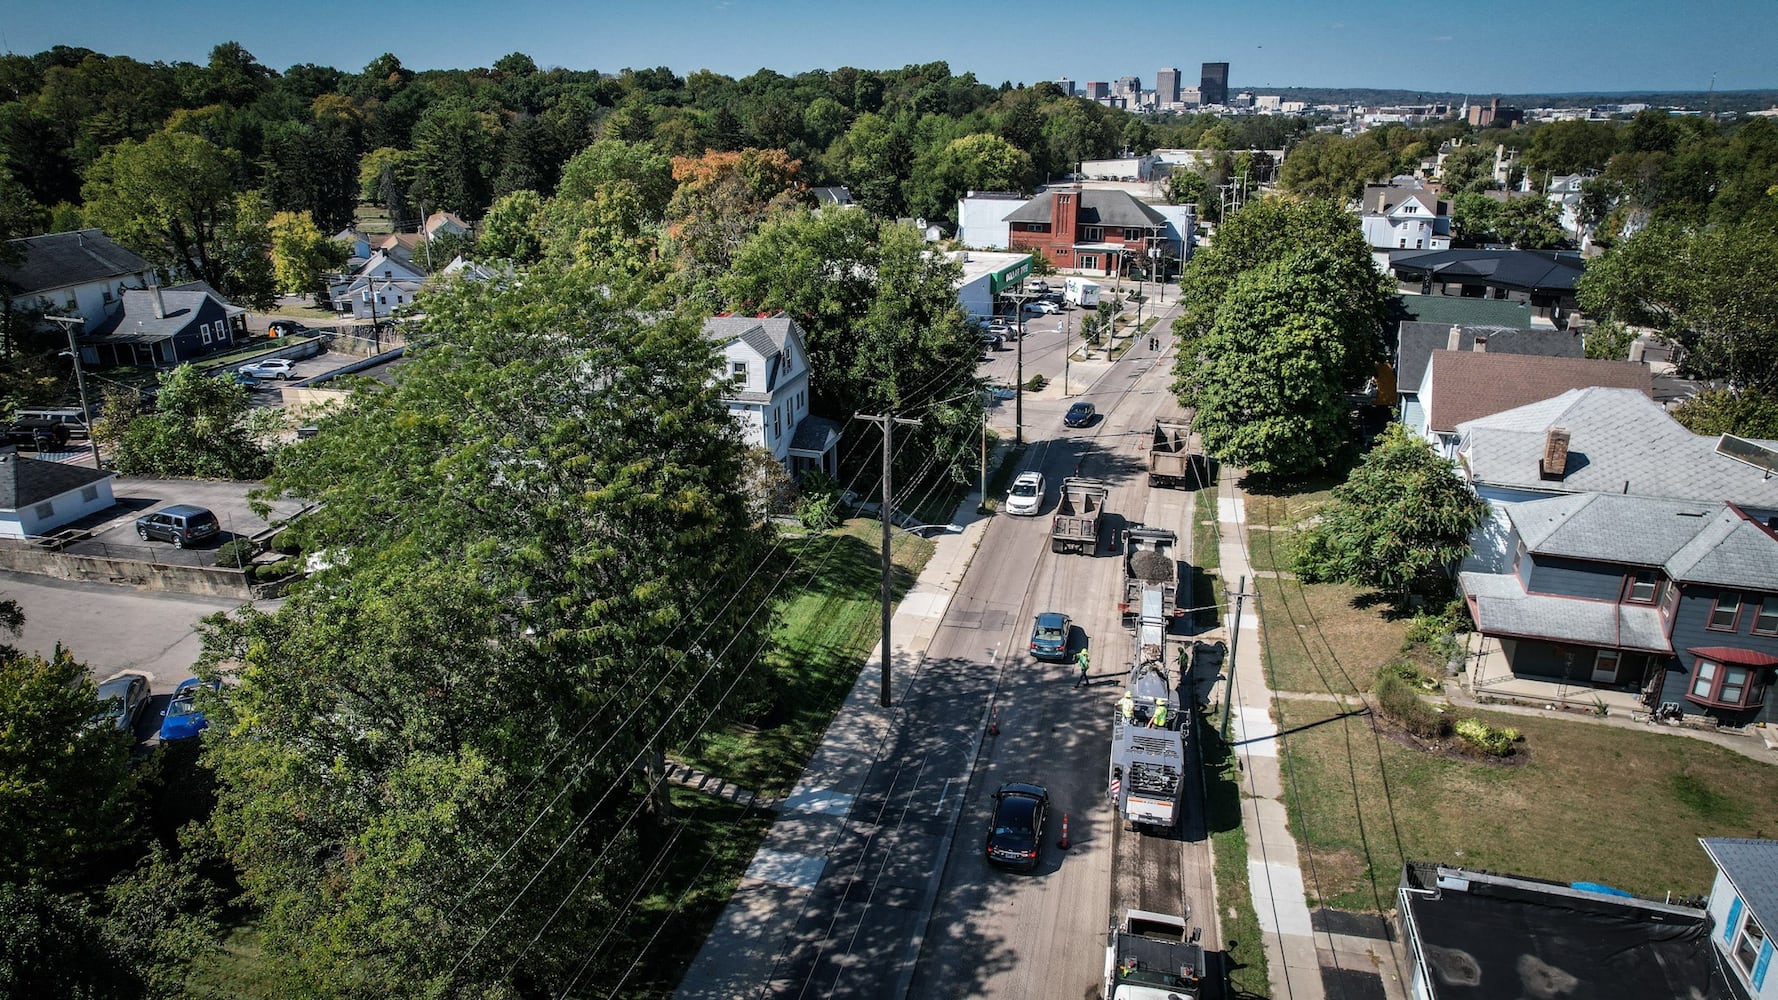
x,y
755,929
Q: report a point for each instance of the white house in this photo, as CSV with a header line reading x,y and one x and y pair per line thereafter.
x,y
78,273
1403,215
445,223
1744,911
385,283
37,497
766,367
981,219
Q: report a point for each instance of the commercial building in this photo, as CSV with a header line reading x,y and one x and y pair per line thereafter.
x,y
1213,83
1166,86
1098,90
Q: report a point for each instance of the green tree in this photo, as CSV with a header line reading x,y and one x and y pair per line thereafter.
x,y
1469,167
385,177
1571,147
608,163
198,430
454,156
1399,523
1608,341
302,255
1475,218
1186,187
1530,222
526,602
1269,380
880,311
64,785
1748,413
1713,290
722,199
979,162
1272,229
513,229
170,198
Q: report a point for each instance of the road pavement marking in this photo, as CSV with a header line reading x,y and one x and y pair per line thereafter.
x,y
942,792
799,871
821,801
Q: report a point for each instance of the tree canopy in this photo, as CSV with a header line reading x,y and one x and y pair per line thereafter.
x,y
1400,522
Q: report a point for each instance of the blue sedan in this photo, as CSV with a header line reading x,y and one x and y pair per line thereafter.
x,y
183,720
1080,415
1049,636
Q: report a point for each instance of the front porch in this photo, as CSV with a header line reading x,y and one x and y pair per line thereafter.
x,y
1488,674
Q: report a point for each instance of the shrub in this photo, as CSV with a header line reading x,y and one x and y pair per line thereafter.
x,y
1036,383
284,543
1397,699
818,509
1491,741
275,571
236,552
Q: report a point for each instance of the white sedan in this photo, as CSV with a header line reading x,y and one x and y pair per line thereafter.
x,y
1044,306
270,368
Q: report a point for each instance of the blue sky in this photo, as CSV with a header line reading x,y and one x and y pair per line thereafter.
x,y
1505,46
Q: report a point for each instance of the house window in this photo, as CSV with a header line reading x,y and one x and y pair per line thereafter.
x,y
1726,612
1419,244
88,494
45,510
1725,685
1132,235
1749,939
1642,587
777,422
1093,234
737,372
107,296
205,332
1087,262
1766,622
1404,243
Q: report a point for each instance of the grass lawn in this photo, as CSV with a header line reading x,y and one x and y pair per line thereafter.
x,y
1243,946
828,625
238,972
1591,803
1310,626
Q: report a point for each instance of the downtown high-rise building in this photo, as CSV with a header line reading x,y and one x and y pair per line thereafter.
x,y
1213,84
1098,90
1129,87
1166,86
1067,86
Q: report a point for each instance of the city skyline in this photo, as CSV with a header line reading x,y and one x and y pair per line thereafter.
x,y
1588,46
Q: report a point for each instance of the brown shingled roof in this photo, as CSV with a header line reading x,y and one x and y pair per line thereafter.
x,y
1466,385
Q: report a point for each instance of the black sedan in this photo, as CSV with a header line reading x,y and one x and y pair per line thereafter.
x,y
1015,834
1080,415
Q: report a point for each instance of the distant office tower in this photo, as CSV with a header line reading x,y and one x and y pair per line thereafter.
x,y
1067,86
1213,86
1098,91
1129,87
1166,86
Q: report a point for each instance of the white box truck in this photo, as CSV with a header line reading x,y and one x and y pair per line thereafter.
x,y
1081,293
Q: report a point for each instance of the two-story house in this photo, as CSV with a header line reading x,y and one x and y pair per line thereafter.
x,y
1404,215
1743,911
386,282
82,273
1415,341
1461,386
766,370
1089,229
1677,598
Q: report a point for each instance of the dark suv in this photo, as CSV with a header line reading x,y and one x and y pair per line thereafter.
x,y
43,435
182,524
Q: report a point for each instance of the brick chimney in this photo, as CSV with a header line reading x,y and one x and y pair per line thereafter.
x,y
1382,202
1455,341
1064,213
1554,464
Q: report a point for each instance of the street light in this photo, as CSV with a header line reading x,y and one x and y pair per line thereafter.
x,y
86,410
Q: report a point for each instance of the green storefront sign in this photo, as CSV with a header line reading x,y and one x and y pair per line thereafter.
x,y
1008,276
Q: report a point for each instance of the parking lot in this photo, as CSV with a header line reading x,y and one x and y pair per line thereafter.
x,y
114,531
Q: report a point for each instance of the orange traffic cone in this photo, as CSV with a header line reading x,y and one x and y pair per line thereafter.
x,y
1063,843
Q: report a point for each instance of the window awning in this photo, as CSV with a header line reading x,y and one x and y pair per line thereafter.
x,y
1739,657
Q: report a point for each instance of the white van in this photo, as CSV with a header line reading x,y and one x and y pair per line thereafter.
x,y
70,417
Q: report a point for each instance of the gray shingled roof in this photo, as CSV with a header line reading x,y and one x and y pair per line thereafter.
x,y
1502,607
815,435
1115,209
1692,541
769,337
135,322
1620,441
1415,342
1752,868
1520,270
58,260
28,481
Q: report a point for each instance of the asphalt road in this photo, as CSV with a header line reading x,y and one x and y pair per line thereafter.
x,y
906,905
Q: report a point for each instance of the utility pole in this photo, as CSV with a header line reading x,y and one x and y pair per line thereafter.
x,y
1019,298
1067,355
886,423
1228,698
86,410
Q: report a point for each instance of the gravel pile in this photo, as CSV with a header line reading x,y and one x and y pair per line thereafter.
x,y
1152,567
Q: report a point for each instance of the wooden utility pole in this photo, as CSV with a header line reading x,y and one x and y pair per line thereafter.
x,y
886,423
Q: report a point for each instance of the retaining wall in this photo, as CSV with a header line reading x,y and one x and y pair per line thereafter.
x,y
208,581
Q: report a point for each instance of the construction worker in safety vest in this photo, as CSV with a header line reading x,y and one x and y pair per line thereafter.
x,y
1159,719
1082,659
1127,706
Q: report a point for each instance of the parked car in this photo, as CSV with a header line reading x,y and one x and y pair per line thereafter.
x,y
182,720
244,379
992,341
1044,306
270,368
1049,636
285,328
121,701
1026,495
71,417
1080,415
182,524
43,435
1015,833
